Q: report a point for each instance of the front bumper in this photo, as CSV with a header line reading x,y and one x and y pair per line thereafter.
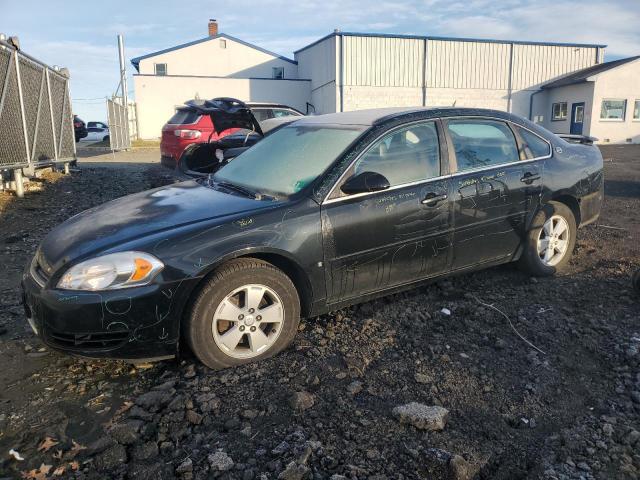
x,y
135,323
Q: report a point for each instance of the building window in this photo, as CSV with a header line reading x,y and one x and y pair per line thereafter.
x,y
278,73
160,68
636,110
223,43
613,109
559,111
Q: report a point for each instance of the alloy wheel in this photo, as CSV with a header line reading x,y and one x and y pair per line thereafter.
x,y
553,240
248,321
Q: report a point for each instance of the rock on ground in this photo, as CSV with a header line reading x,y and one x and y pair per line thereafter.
x,y
424,417
301,400
220,461
294,471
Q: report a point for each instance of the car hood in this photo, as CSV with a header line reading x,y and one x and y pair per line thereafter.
x,y
136,216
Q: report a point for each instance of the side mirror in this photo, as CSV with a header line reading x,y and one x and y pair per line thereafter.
x,y
365,182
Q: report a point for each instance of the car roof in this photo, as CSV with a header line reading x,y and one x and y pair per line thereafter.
x,y
269,105
375,116
248,104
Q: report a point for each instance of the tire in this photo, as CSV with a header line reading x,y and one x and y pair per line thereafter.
x,y
635,281
533,262
215,312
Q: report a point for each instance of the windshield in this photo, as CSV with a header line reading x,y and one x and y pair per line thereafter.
x,y
288,160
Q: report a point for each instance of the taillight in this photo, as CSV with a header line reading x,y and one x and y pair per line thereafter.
x,y
77,124
188,134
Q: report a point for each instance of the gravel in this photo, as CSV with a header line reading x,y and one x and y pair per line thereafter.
x,y
323,408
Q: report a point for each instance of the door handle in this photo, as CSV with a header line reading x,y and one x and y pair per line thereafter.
x,y
431,199
529,178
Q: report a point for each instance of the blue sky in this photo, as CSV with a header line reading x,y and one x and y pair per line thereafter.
x,y
82,35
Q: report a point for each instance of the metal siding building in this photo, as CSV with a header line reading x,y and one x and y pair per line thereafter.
x,y
351,71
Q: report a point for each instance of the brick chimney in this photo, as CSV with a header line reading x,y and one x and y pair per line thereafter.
x,y
213,27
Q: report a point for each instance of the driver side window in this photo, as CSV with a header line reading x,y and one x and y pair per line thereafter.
x,y
408,155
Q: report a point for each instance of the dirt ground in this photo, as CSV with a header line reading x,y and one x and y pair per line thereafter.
x,y
567,409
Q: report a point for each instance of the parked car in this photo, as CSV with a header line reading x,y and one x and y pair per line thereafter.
x,y
188,126
79,128
326,212
202,159
97,132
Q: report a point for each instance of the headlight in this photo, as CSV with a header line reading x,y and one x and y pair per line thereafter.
x,y
113,271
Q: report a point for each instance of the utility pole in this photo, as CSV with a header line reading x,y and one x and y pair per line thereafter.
x,y
123,72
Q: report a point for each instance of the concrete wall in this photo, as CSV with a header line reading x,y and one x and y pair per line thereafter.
x,y
209,58
619,83
363,97
158,97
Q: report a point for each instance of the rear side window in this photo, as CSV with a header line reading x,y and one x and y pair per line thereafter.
x,y
534,146
184,117
262,114
282,112
482,143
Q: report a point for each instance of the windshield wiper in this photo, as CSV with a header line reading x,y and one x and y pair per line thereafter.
x,y
237,188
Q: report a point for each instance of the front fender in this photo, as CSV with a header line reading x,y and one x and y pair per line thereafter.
x,y
288,234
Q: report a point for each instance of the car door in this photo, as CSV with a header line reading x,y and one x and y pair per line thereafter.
x,y
378,240
92,135
492,189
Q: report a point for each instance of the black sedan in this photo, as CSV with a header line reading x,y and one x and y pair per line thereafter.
x,y
325,212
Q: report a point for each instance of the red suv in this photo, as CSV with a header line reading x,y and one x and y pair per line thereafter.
x,y
188,126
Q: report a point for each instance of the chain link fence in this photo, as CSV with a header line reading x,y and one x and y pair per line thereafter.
x,y
118,118
36,120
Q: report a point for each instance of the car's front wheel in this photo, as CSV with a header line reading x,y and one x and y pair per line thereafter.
x,y
550,242
247,310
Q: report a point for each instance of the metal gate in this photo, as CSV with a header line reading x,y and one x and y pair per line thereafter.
x,y
36,120
118,119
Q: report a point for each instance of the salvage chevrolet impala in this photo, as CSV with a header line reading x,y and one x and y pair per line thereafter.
x,y
325,212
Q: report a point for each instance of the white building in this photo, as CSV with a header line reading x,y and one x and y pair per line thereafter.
x,y
602,101
218,65
350,71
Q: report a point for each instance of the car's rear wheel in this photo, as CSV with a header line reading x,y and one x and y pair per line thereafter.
x,y
635,281
247,311
550,242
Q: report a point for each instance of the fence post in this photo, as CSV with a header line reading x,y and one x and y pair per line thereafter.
x,y
24,118
53,125
19,185
64,110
